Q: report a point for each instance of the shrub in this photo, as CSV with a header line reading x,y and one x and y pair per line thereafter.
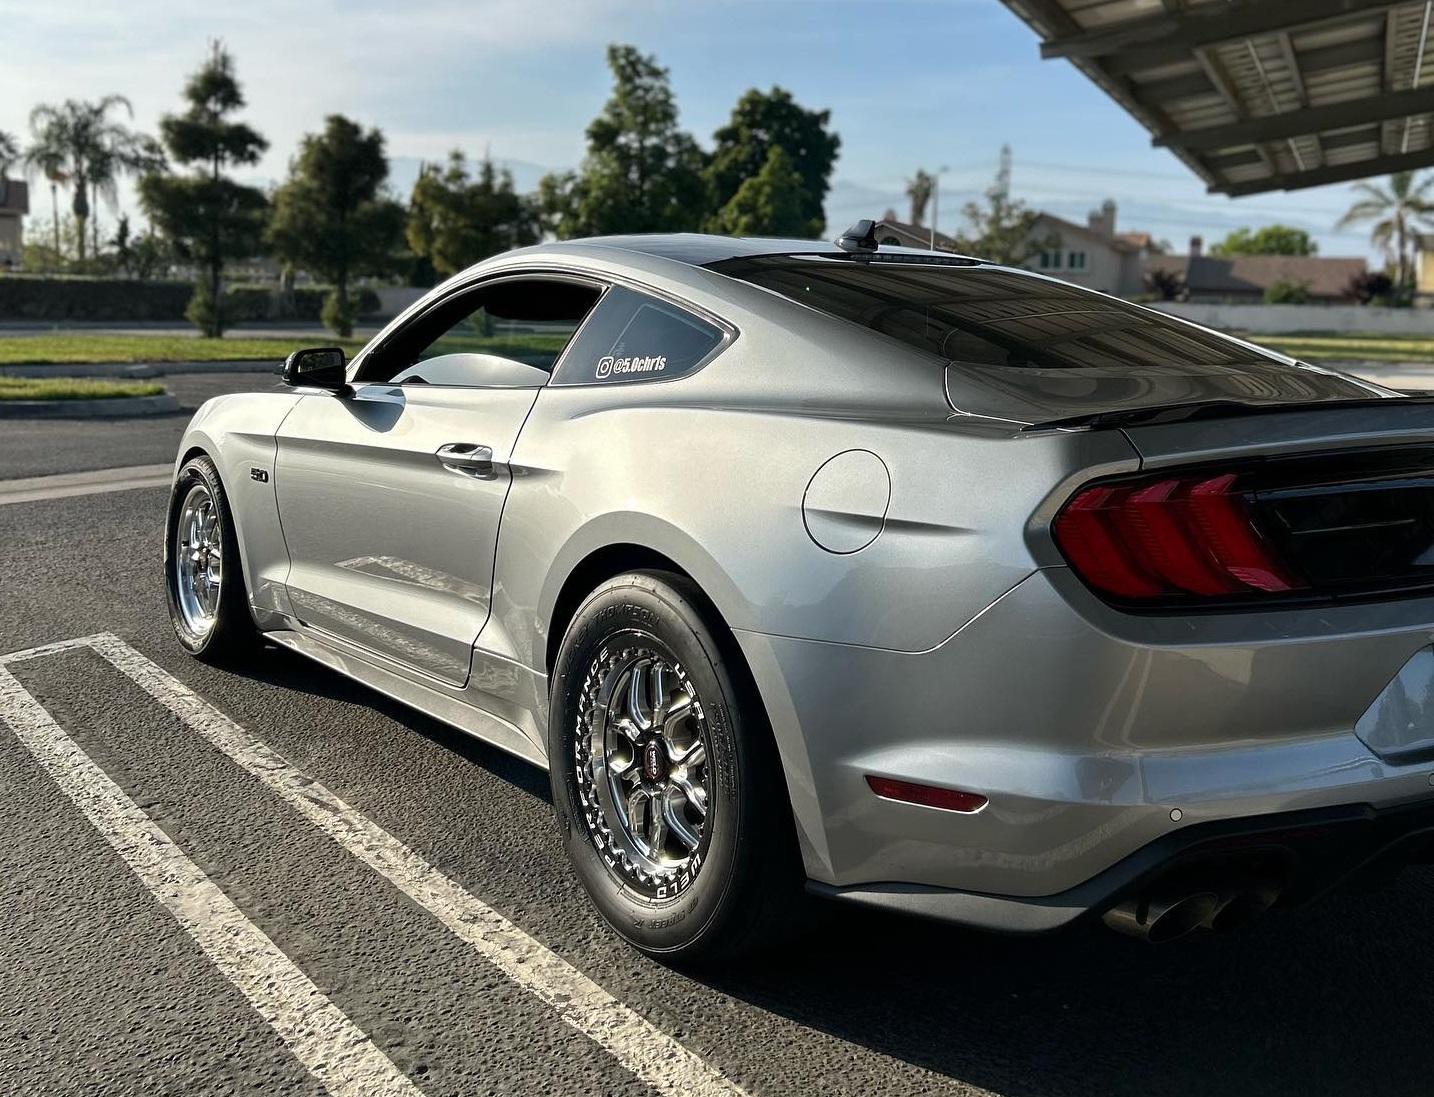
x,y
338,314
1287,293
208,315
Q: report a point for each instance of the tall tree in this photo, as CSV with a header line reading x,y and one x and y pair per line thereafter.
x,y
919,188
206,215
761,120
770,203
454,219
641,173
1397,211
1268,240
1002,230
78,144
333,215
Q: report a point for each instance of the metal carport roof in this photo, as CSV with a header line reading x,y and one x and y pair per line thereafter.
x,y
1259,95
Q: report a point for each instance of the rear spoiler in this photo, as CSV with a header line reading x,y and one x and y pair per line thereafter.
x,y
1206,409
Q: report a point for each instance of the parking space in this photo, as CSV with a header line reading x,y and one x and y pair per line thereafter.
x,y
311,810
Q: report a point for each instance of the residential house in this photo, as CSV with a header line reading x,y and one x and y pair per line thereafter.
x,y
14,205
908,235
1093,255
1236,279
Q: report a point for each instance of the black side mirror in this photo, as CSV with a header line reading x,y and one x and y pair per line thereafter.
x,y
316,367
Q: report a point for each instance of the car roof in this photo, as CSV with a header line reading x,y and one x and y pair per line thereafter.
x,y
700,249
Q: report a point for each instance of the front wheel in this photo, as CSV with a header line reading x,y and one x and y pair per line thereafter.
x,y
665,779
203,579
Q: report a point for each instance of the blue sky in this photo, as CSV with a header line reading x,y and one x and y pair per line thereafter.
x,y
910,83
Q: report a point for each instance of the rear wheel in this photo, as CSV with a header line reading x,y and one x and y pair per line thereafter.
x,y
665,780
202,575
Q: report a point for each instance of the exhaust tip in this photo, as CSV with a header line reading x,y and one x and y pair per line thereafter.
x,y
1238,907
1162,918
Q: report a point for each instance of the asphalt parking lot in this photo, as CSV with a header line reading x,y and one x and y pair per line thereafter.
x,y
279,882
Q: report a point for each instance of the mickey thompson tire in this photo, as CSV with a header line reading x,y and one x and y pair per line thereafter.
x,y
666,782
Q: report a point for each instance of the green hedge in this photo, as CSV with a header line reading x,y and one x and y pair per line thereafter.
x,y
251,303
92,299
120,299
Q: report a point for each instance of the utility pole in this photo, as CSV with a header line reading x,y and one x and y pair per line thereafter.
x,y
936,203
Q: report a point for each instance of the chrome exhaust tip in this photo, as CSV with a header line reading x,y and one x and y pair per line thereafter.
x,y
1235,908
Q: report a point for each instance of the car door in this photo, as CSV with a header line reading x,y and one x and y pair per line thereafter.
x,y
390,495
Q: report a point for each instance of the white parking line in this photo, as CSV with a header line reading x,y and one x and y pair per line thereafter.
x,y
645,1050
68,484
321,1036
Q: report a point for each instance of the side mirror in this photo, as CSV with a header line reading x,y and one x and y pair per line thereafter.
x,y
316,367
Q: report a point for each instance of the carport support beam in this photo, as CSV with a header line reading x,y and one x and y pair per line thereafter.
x,y
1280,127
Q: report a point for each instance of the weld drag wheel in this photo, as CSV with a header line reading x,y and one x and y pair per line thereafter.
x,y
202,575
665,780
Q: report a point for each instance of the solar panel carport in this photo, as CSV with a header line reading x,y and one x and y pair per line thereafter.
x,y
1259,95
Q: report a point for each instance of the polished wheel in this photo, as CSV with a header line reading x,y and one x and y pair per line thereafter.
x,y
644,774
203,576
199,560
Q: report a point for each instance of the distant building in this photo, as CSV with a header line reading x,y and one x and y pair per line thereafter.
x,y
14,205
1424,269
1244,278
907,235
1093,255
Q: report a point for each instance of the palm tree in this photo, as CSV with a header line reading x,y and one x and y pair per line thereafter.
x,y
9,153
1397,212
78,144
918,189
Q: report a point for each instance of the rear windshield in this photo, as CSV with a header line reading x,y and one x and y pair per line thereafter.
x,y
988,316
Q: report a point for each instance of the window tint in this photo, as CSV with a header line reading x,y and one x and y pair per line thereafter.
x,y
634,337
986,316
506,334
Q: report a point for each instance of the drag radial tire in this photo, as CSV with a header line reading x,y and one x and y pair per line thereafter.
x,y
666,781
203,578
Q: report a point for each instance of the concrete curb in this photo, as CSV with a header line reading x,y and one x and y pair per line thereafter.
x,y
123,407
141,369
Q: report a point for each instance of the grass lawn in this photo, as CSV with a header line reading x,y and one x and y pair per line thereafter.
x,y
70,347
74,388
1382,348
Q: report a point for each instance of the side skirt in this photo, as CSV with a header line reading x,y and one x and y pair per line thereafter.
x,y
451,708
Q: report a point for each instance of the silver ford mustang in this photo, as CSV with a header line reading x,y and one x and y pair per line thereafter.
x,y
902,577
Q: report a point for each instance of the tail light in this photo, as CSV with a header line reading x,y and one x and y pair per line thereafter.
x,y
1180,537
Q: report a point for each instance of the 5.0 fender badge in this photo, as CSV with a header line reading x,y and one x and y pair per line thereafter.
x,y
262,475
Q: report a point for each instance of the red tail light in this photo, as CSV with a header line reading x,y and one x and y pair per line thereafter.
x,y
1175,535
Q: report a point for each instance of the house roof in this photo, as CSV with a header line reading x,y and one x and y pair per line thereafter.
x,y
1258,95
915,236
1121,241
1326,277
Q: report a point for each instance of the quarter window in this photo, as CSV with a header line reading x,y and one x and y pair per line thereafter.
x,y
632,336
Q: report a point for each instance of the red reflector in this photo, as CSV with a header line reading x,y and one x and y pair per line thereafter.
x,y
949,799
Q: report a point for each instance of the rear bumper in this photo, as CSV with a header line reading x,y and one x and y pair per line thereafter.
x,y
1098,737
1301,854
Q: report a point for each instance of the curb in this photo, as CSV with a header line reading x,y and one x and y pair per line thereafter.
x,y
140,369
123,407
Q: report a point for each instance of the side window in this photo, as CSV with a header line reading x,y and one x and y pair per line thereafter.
x,y
634,337
507,334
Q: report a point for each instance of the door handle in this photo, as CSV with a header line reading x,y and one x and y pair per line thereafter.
x,y
468,459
